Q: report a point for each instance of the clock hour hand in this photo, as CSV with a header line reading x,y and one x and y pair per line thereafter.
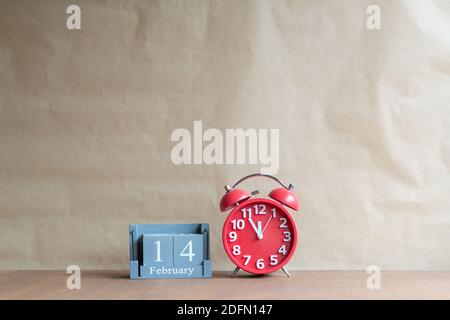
x,y
257,230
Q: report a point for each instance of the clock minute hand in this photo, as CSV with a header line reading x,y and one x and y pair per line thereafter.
x,y
258,233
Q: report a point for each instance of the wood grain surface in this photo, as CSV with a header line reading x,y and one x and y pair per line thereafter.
x,y
301,285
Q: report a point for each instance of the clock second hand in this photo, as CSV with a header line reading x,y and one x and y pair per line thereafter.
x,y
267,223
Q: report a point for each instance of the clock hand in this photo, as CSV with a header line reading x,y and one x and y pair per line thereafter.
x,y
253,225
267,223
258,234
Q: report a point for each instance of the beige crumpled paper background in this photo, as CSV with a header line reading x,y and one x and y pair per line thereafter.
x,y
86,118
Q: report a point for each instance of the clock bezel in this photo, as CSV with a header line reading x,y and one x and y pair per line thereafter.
x,y
294,235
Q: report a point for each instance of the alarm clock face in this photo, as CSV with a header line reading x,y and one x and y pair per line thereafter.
x,y
259,236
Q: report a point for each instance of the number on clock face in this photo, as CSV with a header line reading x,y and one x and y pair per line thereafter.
x,y
259,236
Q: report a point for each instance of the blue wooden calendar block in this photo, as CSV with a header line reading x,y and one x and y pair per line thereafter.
x,y
188,249
158,249
169,251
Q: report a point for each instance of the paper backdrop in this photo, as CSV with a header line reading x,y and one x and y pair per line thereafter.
x,y
86,118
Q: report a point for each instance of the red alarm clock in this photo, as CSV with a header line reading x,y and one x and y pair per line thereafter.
x,y
259,234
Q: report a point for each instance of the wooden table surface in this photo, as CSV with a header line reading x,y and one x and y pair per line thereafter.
x,y
301,285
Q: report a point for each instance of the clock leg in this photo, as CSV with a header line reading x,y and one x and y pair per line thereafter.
x,y
286,272
235,272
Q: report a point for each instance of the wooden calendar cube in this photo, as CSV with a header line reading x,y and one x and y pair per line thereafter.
x,y
158,249
188,249
169,251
